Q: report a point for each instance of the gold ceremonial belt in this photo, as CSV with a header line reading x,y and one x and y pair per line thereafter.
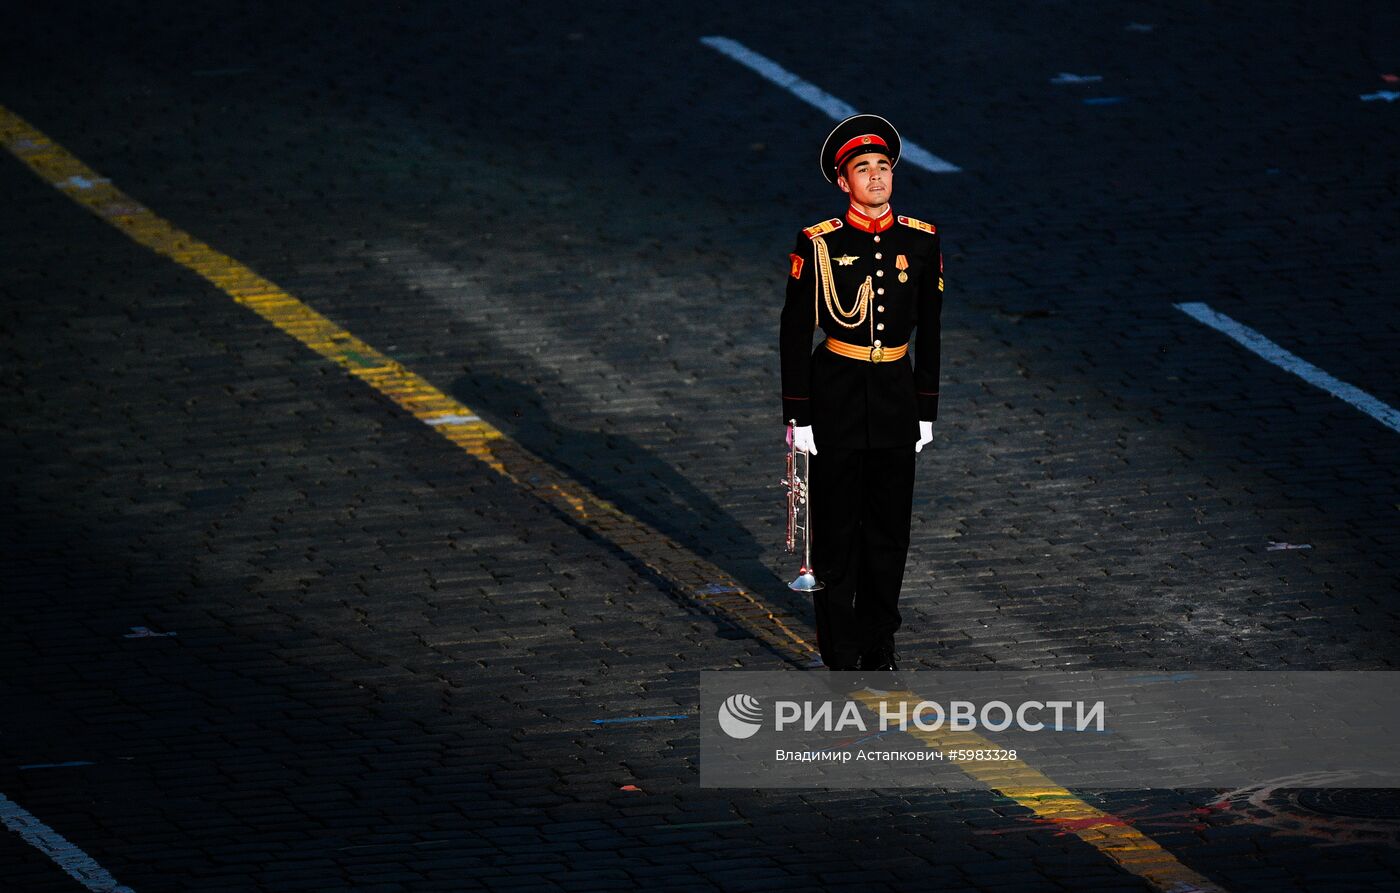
x,y
869,354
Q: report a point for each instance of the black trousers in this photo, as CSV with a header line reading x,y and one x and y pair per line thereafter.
x,y
861,503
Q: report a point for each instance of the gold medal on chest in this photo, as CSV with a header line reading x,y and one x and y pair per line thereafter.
x,y
901,264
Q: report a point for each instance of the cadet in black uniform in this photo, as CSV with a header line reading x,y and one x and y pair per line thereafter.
x,y
856,403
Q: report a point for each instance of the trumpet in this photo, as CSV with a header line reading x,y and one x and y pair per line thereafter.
x,y
799,514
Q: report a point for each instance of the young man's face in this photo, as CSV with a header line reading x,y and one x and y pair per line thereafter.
x,y
868,179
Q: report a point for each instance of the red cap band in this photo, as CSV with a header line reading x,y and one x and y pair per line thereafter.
x,y
875,143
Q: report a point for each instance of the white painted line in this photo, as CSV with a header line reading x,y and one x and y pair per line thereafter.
x,y
1284,359
141,632
813,95
451,420
78,864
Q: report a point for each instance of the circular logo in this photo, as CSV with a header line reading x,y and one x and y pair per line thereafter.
x,y
740,716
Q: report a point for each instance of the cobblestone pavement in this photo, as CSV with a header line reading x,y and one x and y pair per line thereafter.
x,y
375,663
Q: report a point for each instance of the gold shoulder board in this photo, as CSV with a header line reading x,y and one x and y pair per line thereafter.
x,y
917,224
823,228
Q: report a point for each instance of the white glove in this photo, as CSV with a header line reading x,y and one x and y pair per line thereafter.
x,y
925,436
802,439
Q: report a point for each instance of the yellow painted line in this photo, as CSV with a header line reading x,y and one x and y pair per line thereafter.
x,y
692,577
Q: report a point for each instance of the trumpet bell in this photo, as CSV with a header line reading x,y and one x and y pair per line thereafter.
x,y
806,581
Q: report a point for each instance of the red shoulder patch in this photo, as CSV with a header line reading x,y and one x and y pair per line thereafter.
x,y
796,271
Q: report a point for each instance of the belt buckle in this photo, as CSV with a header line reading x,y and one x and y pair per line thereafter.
x,y
877,354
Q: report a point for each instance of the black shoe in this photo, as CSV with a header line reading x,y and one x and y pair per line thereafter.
x,y
842,662
881,660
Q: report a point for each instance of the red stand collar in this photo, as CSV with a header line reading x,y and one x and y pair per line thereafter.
x,y
870,224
